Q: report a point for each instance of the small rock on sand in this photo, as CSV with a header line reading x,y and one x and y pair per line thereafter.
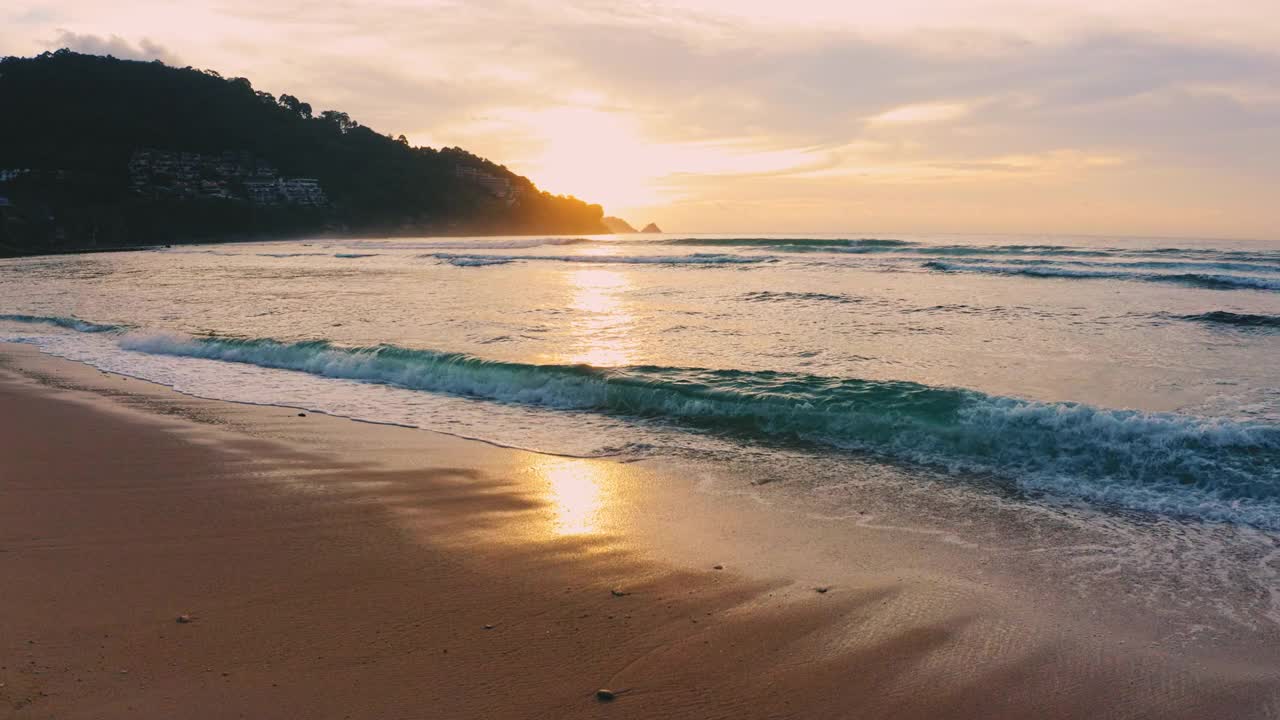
x,y
302,414
618,593
184,619
605,695
822,589
717,567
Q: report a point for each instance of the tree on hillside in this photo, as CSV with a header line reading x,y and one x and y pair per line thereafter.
x,y
84,117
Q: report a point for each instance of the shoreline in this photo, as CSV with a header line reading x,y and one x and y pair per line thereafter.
x,y
419,233
316,236
336,568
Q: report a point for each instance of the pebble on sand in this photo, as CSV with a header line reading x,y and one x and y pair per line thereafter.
x,y
605,695
184,619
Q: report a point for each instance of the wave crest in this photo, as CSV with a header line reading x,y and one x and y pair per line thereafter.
x,y
1243,320
1201,280
70,323
1208,468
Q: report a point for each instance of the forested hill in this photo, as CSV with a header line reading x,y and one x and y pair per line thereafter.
x,y
101,152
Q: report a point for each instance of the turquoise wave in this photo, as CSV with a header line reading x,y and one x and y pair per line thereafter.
x,y
1205,468
1133,264
1239,320
1045,270
70,323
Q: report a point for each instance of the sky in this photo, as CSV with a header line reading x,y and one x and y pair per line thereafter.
x,y
1134,117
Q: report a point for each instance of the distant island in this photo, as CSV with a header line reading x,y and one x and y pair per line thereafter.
x,y
102,153
618,226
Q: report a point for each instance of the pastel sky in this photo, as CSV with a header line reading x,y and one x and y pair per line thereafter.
x,y
1137,117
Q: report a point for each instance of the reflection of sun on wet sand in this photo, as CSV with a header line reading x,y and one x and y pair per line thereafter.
x,y
332,569
575,494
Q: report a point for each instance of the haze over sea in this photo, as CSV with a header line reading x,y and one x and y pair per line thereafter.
x,y
1126,389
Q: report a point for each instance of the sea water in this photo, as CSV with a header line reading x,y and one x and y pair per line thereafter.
x,y
1118,383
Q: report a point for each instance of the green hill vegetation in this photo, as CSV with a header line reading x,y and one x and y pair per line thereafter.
x,y
97,152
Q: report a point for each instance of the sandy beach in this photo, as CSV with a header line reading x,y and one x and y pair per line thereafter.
x,y
326,568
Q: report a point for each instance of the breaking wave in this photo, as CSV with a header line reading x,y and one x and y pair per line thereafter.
x,y
474,260
1214,469
65,322
1241,320
1201,280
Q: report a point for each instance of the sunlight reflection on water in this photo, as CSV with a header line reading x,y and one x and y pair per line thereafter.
x,y
602,331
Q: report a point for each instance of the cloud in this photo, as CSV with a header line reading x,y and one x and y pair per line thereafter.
x,y
685,78
113,45
1095,104
920,113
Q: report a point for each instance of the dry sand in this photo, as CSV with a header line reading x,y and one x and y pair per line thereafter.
x,y
334,569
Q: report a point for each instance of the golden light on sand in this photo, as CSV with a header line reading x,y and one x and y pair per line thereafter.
x,y
576,495
602,325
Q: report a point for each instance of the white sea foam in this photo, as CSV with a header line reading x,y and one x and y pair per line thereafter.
x,y
1210,468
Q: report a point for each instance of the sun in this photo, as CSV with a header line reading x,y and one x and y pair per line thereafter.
x,y
596,155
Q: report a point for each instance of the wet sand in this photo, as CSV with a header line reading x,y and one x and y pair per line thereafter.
x,y
335,569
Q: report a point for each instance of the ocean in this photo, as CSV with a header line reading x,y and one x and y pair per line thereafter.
x,y
982,387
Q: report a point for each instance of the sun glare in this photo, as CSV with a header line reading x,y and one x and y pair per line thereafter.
x,y
602,326
593,154
604,156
